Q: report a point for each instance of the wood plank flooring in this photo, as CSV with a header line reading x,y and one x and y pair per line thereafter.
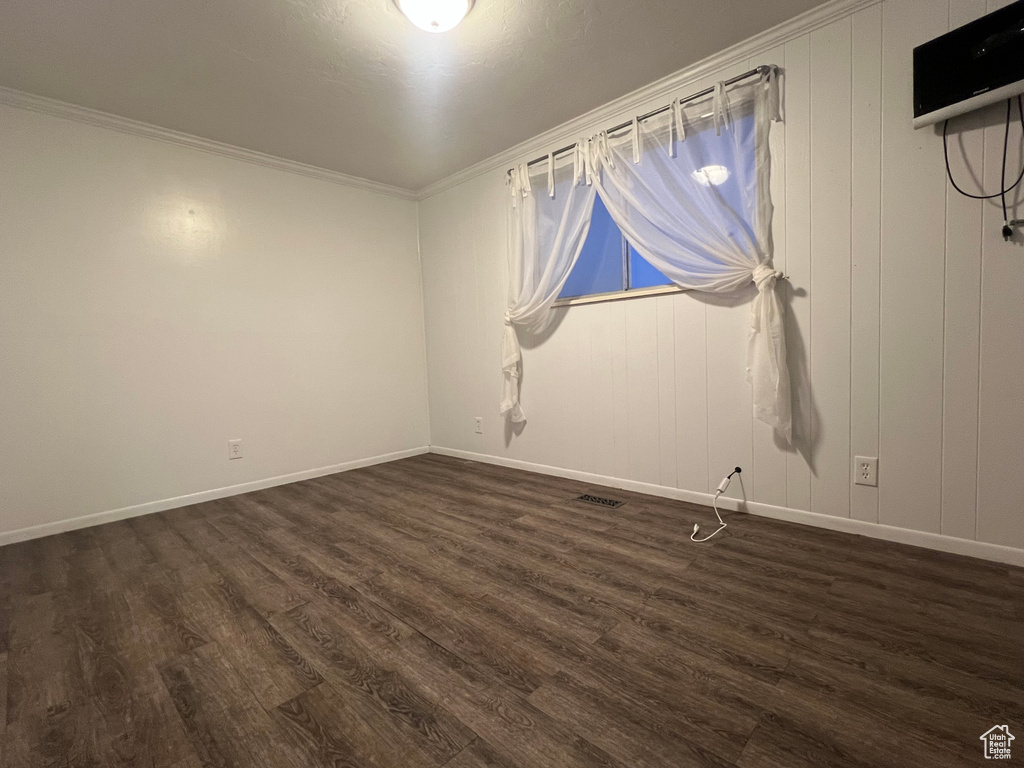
x,y
436,612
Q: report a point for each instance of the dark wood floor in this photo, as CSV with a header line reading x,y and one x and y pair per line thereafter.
x,y
438,612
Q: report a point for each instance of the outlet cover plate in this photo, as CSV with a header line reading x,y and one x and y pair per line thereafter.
x,y
234,449
865,470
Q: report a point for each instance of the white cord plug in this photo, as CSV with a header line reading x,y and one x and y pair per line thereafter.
x,y
722,525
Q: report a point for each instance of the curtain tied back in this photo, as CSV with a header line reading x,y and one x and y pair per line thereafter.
x,y
690,192
761,275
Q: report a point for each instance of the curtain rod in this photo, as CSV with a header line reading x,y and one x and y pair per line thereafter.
x,y
761,70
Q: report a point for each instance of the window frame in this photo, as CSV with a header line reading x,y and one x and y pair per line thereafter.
x,y
635,293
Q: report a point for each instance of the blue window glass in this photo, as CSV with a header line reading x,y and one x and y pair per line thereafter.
x,y
607,263
642,274
599,268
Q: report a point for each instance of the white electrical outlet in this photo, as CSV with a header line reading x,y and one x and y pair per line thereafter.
x,y
479,425
234,449
865,470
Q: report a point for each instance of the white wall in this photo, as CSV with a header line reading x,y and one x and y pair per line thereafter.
x,y
156,301
906,330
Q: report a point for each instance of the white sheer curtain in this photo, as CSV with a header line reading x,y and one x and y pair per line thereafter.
x,y
546,233
690,191
699,210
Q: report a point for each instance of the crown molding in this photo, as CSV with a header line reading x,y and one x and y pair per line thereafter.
x,y
47,106
758,44
660,89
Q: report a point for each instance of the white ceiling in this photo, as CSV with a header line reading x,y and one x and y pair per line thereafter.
x,y
351,85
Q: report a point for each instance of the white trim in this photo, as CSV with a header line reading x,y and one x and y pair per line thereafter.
x,y
632,293
934,541
967,105
98,518
46,106
666,88
980,549
753,46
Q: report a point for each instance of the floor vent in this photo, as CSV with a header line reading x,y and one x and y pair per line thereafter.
x,y
600,501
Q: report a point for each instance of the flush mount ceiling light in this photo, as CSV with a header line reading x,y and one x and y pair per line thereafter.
x,y
435,15
712,175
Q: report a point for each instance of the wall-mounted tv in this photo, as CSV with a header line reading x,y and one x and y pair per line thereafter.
x,y
975,65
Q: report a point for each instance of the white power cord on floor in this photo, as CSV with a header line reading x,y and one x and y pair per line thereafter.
x,y
722,525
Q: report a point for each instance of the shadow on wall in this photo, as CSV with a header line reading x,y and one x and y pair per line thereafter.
x,y
806,416
531,338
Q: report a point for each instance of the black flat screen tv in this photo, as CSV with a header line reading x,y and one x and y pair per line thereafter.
x,y
975,65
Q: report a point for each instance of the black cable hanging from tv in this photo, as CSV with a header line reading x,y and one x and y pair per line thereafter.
x,y
1003,189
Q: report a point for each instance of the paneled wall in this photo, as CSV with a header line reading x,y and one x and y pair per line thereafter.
x,y
906,324
157,301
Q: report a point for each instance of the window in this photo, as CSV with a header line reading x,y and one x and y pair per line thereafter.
x,y
608,264
610,268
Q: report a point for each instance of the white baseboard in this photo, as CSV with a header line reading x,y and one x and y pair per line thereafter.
x,y
85,521
979,549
